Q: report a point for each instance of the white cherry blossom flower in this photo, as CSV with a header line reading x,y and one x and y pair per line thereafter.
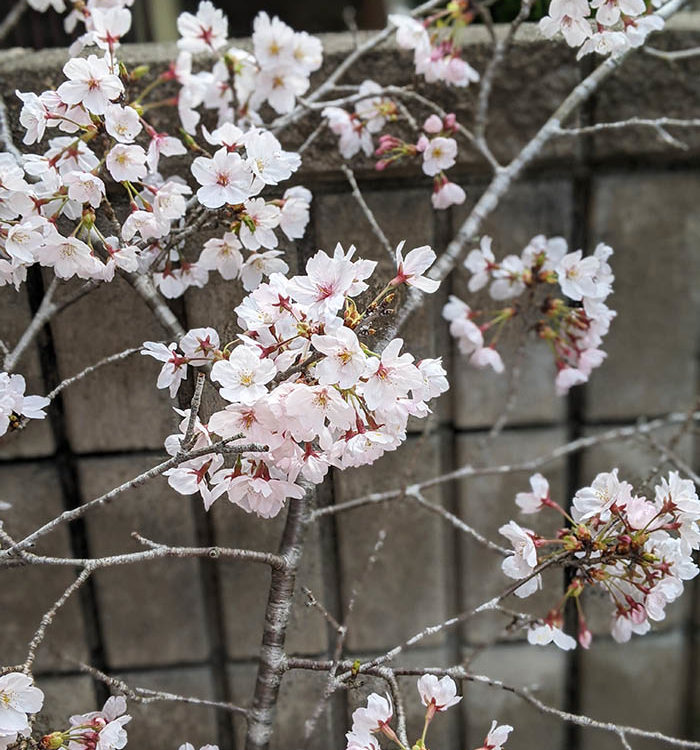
x,y
442,693
532,502
410,269
126,162
91,83
243,376
205,32
18,698
541,635
224,179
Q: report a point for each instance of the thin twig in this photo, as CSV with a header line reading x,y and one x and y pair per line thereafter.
x,y
83,373
357,195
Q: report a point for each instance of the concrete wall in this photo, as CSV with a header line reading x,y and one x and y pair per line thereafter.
x,y
192,627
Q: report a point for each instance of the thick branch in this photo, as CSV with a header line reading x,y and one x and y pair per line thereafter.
x,y
272,661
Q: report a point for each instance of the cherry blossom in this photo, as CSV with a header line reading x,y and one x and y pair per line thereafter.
x,y
440,694
18,698
91,82
206,31
13,402
410,269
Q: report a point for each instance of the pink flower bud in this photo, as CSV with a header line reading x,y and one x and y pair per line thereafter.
x,y
432,125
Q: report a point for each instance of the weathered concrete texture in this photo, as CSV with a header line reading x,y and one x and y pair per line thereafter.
x,y
640,683
152,613
132,412
635,460
487,503
64,697
35,439
650,88
27,593
531,208
299,695
405,590
539,669
651,220
245,585
170,724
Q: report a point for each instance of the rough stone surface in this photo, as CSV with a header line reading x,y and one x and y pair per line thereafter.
x,y
168,723
152,612
640,683
27,593
650,219
541,670
133,413
405,590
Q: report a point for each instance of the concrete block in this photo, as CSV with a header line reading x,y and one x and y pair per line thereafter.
x,y
64,697
152,612
132,412
650,220
539,669
169,724
639,683
406,589
27,593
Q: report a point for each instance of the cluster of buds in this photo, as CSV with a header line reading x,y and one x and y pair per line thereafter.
x,y
601,26
543,277
638,551
439,152
437,53
301,383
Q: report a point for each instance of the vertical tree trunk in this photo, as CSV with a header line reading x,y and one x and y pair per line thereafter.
x,y
279,605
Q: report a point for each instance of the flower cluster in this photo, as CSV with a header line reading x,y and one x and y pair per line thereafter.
x,y
300,383
54,208
639,551
437,695
542,276
355,129
239,83
437,54
14,404
601,26
18,699
438,151
95,730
